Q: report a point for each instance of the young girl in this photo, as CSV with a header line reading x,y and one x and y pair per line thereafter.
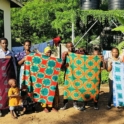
x,y
5,55
14,97
115,58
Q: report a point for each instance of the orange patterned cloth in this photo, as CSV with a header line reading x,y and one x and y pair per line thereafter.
x,y
82,80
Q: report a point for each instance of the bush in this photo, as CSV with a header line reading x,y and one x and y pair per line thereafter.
x,y
61,78
104,76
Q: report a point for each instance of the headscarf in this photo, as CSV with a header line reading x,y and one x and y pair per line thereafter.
x,y
46,50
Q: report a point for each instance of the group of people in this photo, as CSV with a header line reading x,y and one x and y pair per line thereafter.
x,y
18,94
105,64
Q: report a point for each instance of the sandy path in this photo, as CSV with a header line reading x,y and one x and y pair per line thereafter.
x,y
72,116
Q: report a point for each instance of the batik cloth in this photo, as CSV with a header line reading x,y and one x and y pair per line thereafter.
x,y
118,84
82,79
6,72
41,75
9,53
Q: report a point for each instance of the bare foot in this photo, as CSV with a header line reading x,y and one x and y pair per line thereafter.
x,y
23,112
14,117
54,110
46,110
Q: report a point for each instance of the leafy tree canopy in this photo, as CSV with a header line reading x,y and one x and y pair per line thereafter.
x,y
41,20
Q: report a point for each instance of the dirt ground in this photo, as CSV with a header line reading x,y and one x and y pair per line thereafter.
x,y
72,116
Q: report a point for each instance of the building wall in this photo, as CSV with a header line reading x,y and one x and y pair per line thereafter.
x,y
5,6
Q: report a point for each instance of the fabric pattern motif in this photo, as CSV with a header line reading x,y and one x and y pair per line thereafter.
x,y
20,55
82,80
118,84
41,75
6,72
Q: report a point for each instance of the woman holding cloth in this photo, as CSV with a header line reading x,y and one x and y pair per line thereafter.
x,y
47,52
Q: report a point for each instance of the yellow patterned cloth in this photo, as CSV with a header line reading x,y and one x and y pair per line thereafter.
x,y
82,79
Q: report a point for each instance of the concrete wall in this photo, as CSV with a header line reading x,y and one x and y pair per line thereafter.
x,y
5,6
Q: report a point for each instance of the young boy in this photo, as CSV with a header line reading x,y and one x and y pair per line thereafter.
x,y
4,52
26,99
70,48
14,97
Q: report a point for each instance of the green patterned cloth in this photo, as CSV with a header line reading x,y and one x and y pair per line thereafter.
x,y
82,79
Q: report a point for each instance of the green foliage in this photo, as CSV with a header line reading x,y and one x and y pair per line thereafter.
x,y
120,46
121,20
61,78
104,76
40,20
119,28
82,43
100,14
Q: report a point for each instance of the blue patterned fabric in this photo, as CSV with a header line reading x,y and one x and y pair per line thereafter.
x,y
118,84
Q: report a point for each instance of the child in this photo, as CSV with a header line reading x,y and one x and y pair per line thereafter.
x,y
14,98
114,58
70,48
26,99
81,51
95,52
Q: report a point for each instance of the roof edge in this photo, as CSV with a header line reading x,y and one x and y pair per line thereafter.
x,y
18,3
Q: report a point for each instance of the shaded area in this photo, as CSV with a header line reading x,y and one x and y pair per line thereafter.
x,y
72,116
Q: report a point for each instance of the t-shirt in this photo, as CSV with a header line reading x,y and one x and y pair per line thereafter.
x,y
109,62
4,54
14,101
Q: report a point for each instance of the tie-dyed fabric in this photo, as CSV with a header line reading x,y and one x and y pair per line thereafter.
x,y
6,72
118,84
82,80
41,75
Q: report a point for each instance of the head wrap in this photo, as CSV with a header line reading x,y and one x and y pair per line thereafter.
x,y
47,49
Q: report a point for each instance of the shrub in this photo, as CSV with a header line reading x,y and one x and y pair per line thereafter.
x,y
104,76
61,78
